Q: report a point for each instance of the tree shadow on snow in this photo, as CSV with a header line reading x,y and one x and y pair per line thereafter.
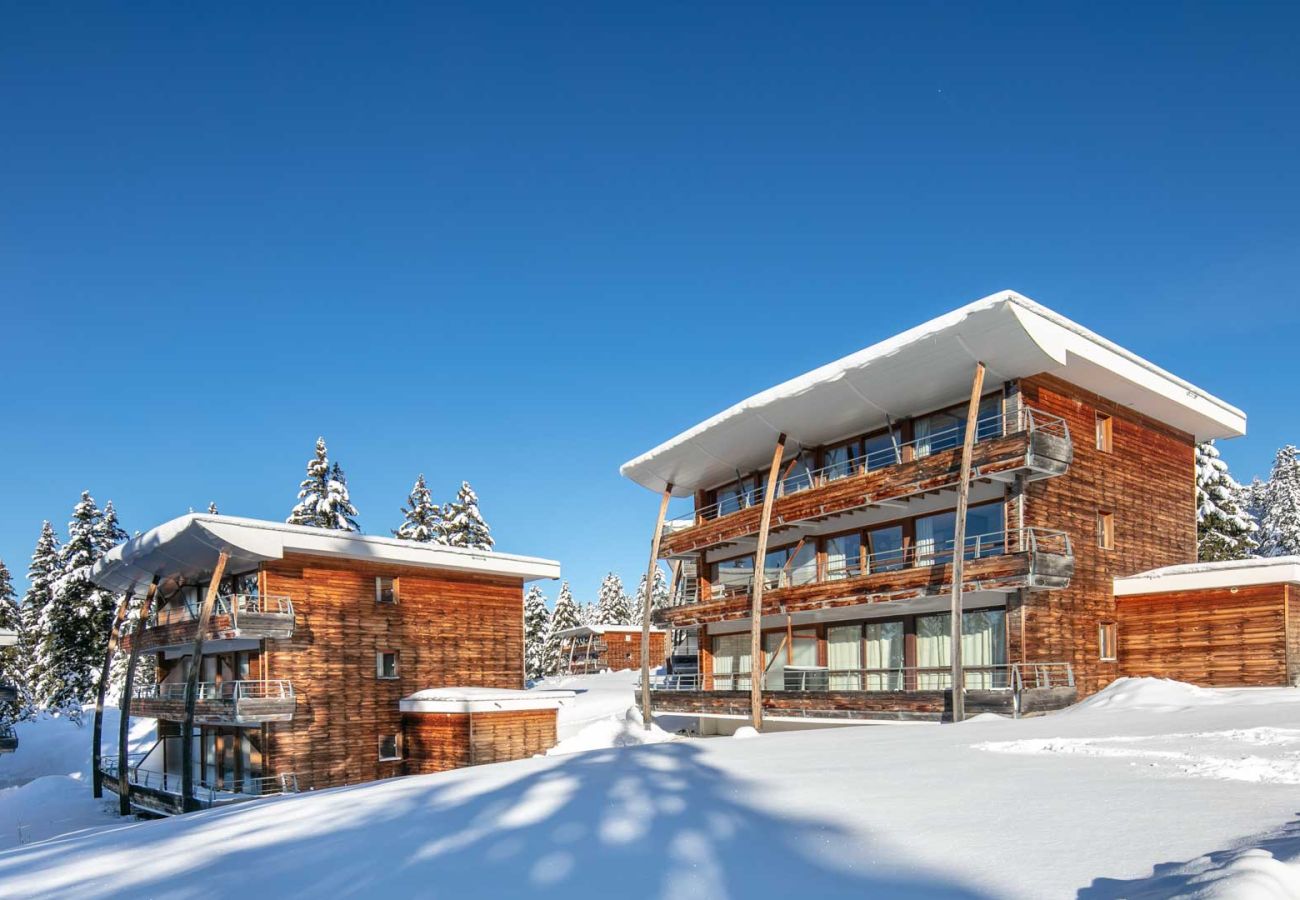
x,y
653,821
1176,879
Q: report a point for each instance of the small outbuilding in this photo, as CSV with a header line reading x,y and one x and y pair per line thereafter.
x,y
449,728
1219,624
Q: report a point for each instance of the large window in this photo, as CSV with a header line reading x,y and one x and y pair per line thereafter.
x,y
786,566
884,646
936,534
985,530
947,429
733,574
844,657
731,662
841,459
882,450
885,549
983,649
843,554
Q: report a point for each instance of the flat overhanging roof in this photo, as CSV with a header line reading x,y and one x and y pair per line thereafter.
x,y
1204,576
187,548
925,368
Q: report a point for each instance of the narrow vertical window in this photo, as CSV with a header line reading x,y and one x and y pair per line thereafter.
x,y
386,664
1105,433
1106,530
1106,640
385,589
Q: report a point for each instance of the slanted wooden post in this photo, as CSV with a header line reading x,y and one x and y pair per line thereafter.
x,y
648,605
96,753
756,667
124,709
959,544
192,684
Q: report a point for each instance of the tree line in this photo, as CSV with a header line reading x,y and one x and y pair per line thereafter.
x,y
1235,521
63,619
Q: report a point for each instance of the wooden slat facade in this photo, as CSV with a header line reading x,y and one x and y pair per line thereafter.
x,y
436,742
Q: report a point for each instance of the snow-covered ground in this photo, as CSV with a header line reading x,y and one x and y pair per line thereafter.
x,y
45,785
1150,789
602,715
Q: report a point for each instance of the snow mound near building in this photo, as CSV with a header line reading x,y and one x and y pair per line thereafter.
x,y
618,730
1167,695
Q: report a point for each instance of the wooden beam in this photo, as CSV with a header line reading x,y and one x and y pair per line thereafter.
x,y
97,732
192,684
647,605
124,708
959,543
756,606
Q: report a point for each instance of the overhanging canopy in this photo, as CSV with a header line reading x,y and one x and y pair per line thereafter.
x,y
925,368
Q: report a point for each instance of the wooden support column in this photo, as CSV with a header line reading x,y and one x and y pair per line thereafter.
x,y
124,708
648,605
192,684
756,667
959,544
97,731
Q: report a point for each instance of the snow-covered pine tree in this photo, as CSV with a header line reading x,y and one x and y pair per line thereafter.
x,y
1250,498
10,671
537,622
1279,523
565,615
464,525
323,500
589,613
41,573
421,517
1223,529
658,600
613,606
74,625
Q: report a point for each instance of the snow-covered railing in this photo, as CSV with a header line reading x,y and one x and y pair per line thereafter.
x,y
1026,675
226,605
233,791
987,428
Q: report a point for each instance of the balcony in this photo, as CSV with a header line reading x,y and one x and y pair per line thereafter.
x,y
1033,558
8,693
8,739
218,703
894,694
1031,443
160,792
234,616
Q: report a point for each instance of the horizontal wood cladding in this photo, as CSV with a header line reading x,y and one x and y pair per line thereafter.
x,y
1003,455
1005,572
436,742
1146,483
623,651
1215,638
448,629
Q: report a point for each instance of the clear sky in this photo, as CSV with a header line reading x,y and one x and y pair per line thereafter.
x,y
521,244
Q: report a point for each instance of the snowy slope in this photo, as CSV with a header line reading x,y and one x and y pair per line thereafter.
x,y
1177,781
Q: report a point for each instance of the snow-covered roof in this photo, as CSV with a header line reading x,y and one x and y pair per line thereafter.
x,y
921,369
480,700
1205,575
8,637
604,629
187,548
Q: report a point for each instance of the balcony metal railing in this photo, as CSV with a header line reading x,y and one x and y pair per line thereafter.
x,y
226,605
228,691
802,679
986,429
8,739
235,790
978,546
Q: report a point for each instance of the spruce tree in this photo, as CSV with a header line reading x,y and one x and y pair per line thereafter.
x,y
1223,529
537,621
1279,524
41,574
565,615
613,606
11,672
658,600
323,500
465,526
421,517
74,625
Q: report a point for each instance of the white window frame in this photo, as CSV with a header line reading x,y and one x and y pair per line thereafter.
x,y
379,590
379,665
1113,656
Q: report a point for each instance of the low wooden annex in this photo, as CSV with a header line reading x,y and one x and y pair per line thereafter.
x,y
283,653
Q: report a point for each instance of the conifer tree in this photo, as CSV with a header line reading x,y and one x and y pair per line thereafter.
x,y
41,574
613,606
537,622
464,524
1280,520
1223,529
421,517
565,615
658,600
323,500
74,625
11,672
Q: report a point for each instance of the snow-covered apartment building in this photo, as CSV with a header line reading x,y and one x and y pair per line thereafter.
x,y
322,658
1082,472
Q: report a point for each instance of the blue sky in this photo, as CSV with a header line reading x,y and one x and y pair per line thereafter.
x,y
520,244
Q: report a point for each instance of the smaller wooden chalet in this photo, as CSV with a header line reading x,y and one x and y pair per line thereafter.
x,y
8,693
450,728
284,653
1220,624
600,648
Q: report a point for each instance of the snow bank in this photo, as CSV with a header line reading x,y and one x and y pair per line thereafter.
x,y
50,806
55,745
596,698
616,730
1164,695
